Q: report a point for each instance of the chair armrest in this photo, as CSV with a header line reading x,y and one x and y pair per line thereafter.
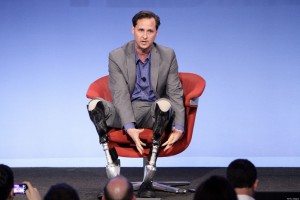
x,y
193,86
99,88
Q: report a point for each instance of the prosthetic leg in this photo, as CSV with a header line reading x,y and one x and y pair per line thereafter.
x,y
96,112
162,117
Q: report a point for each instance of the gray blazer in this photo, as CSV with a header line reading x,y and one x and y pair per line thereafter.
x,y
164,80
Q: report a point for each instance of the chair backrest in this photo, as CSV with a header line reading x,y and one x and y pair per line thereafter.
x,y
193,86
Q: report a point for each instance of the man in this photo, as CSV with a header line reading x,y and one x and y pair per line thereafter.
x,y
215,188
61,191
7,185
242,174
118,188
146,92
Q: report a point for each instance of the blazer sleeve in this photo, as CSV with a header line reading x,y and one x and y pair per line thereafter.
x,y
175,92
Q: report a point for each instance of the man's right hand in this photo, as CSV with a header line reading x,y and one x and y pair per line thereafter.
x,y
135,136
32,193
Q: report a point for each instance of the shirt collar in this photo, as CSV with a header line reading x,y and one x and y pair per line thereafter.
x,y
137,58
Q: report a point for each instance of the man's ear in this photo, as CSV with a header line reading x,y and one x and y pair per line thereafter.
x,y
255,185
11,194
132,30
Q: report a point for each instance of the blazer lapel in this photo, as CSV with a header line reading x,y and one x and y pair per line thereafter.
x,y
131,66
155,58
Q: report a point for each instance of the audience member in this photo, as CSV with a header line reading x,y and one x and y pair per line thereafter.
x,y
32,193
118,188
215,188
6,182
61,191
242,174
7,185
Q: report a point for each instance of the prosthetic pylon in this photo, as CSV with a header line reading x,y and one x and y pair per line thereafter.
x,y
162,117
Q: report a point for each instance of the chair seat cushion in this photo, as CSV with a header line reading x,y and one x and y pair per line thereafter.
x,y
119,136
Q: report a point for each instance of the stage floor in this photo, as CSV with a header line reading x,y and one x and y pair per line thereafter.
x,y
284,183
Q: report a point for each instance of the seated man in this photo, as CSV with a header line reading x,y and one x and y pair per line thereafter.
x,y
146,92
242,174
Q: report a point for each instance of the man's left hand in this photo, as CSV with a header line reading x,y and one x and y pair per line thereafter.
x,y
174,137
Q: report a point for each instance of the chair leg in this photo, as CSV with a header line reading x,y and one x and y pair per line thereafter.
x,y
167,186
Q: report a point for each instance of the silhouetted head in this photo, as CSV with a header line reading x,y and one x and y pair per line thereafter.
x,y
215,188
61,191
6,182
118,188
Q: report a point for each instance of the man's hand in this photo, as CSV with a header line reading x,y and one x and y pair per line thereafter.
x,y
135,136
32,193
174,137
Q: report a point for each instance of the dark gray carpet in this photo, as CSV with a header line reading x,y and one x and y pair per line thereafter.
x,y
89,181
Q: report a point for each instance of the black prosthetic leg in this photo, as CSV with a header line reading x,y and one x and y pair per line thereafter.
x,y
161,121
160,124
97,115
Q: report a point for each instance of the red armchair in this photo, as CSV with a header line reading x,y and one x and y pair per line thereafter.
x,y
193,87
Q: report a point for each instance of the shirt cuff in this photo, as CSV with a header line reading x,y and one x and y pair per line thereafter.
x,y
129,125
179,127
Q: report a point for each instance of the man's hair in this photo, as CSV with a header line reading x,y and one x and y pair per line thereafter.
x,y
6,181
215,188
241,173
146,14
125,191
61,191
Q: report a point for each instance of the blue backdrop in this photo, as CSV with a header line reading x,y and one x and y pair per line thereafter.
x,y
247,50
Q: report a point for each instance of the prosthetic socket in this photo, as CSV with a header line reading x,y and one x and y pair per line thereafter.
x,y
97,115
162,118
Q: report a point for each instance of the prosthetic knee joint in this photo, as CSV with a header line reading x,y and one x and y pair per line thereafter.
x,y
96,112
162,118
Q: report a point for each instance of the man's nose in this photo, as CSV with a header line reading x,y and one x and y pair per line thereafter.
x,y
145,35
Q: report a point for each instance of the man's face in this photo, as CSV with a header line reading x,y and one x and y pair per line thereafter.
x,y
144,33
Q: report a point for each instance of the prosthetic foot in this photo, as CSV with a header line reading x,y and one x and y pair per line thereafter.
x,y
162,117
97,115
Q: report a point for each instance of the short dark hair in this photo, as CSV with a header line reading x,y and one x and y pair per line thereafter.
x,y
128,195
241,173
61,191
6,181
215,188
146,14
